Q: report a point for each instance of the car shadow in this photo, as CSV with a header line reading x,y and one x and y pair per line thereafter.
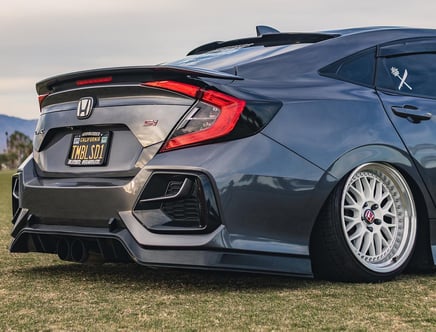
x,y
167,278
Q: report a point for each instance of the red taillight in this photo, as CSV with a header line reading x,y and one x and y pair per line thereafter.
x,y
41,99
96,80
186,89
213,116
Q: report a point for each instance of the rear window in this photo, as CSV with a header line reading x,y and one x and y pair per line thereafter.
x,y
410,74
231,56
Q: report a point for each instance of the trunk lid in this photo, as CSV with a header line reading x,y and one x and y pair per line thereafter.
x,y
107,123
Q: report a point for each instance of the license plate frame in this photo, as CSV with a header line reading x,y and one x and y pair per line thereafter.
x,y
89,149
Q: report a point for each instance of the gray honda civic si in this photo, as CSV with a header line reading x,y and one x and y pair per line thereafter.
x,y
306,154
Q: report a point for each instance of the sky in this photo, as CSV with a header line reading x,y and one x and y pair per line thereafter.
x,y
40,39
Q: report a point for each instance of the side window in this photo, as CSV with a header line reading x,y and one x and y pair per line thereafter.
x,y
357,68
411,74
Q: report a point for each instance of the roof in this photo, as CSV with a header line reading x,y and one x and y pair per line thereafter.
x,y
267,36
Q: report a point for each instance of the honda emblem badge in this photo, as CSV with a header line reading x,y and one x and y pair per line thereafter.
x,y
84,108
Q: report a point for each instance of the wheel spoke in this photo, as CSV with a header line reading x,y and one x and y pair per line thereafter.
x,y
378,244
367,188
386,233
389,215
354,195
378,192
367,240
385,195
352,222
357,234
384,242
372,248
388,205
352,205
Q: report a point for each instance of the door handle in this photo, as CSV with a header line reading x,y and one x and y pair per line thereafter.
x,y
411,112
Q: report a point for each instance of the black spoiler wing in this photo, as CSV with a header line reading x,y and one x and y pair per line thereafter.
x,y
127,75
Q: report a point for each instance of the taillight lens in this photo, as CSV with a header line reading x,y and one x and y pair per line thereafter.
x,y
186,89
213,116
41,99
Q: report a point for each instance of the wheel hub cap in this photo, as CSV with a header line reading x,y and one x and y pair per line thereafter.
x,y
369,216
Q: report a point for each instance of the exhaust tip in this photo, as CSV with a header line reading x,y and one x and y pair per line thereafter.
x,y
63,249
74,251
79,253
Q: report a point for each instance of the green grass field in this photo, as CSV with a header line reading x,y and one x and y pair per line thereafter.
x,y
39,292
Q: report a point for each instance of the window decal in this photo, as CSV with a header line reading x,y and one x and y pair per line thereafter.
x,y
396,73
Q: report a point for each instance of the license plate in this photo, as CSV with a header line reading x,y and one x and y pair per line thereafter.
x,y
89,149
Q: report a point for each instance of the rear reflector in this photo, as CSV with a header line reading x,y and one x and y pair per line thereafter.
x,y
41,99
213,116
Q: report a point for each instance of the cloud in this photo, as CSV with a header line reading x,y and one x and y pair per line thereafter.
x,y
48,37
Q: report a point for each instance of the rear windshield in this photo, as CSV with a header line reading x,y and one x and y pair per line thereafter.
x,y
227,57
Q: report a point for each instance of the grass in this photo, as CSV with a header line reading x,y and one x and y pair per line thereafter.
x,y
40,292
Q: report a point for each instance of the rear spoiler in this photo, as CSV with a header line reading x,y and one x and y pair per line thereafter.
x,y
125,75
266,37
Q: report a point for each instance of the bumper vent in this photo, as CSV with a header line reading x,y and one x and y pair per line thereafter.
x,y
178,203
185,210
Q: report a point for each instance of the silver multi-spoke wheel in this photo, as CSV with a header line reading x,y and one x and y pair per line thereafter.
x,y
378,217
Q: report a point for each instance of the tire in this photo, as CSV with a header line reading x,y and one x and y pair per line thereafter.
x,y
367,229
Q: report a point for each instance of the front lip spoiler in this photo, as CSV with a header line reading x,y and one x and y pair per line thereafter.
x,y
208,258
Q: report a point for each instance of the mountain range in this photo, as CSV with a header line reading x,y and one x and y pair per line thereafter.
x,y
9,124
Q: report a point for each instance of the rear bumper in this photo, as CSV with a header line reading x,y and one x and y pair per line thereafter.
x,y
120,244
154,201
104,222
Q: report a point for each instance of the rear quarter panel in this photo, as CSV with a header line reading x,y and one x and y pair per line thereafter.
x,y
338,128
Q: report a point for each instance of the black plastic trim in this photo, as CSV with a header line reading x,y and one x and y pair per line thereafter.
x,y
128,75
270,39
151,210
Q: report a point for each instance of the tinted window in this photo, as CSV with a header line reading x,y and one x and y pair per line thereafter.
x,y
234,56
412,74
358,68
